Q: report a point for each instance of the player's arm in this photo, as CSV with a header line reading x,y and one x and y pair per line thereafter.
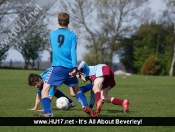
x,y
74,56
37,102
85,79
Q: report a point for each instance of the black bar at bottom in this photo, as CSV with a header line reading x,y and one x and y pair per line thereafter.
x,y
86,121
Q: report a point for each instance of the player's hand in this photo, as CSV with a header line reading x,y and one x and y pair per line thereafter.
x,y
40,110
32,109
82,78
78,75
73,73
35,109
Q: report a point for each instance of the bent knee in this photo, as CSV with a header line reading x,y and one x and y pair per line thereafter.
x,y
107,99
72,94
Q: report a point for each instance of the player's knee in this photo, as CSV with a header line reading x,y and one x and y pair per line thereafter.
x,y
72,94
50,97
105,99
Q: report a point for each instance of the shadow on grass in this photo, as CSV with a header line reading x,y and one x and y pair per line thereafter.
x,y
114,111
72,109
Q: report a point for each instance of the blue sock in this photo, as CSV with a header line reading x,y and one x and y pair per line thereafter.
x,y
59,94
82,99
46,103
92,98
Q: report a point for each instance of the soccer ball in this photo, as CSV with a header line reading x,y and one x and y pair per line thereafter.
x,y
62,103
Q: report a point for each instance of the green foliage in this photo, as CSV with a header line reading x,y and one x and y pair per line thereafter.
x,y
153,39
32,45
126,54
3,53
151,66
90,58
100,54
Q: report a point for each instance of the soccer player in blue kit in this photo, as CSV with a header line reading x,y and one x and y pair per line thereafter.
x,y
37,81
64,66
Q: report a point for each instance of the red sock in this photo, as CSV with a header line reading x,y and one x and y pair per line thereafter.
x,y
97,96
116,101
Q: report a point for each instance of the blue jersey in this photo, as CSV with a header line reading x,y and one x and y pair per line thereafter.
x,y
43,75
64,45
91,70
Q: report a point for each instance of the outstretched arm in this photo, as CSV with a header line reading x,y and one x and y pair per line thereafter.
x,y
37,102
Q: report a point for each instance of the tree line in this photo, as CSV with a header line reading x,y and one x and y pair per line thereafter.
x,y
128,28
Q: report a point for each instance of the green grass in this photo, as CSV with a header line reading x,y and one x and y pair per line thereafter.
x,y
150,96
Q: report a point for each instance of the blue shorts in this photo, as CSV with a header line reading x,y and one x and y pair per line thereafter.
x,y
59,75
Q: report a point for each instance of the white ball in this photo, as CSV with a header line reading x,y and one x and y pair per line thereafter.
x,y
62,103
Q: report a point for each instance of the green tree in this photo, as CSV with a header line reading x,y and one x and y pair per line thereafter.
x,y
35,37
126,54
151,66
102,24
3,54
152,40
168,17
7,12
32,45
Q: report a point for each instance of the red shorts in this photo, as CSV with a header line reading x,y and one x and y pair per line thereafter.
x,y
109,81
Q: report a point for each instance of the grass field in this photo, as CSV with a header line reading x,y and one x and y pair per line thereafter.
x,y
150,96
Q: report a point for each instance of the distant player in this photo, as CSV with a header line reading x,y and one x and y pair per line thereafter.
x,y
102,77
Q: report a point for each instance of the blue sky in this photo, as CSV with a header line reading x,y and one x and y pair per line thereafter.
x,y
156,6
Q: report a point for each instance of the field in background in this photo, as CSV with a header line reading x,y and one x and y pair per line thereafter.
x,y
150,96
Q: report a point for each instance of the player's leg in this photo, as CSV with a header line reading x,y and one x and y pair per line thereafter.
x,y
121,102
82,100
104,95
72,92
46,101
73,82
96,88
80,96
85,89
92,99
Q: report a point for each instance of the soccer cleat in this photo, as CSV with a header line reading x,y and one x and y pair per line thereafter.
x,y
91,106
43,115
99,105
90,112
125,106
71,105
